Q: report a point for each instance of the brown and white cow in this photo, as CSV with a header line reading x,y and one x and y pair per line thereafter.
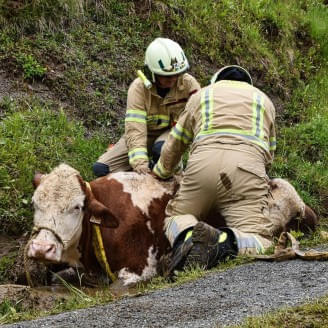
x,y
130,210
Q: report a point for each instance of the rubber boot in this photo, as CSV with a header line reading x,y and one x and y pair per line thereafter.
x,y
210,246
176,259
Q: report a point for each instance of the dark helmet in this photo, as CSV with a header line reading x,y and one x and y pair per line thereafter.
x,y
232,72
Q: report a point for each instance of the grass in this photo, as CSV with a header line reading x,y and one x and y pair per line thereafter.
x,y
314,315
36,138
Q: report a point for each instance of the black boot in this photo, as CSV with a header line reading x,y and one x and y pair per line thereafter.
x,y
210,246
175,260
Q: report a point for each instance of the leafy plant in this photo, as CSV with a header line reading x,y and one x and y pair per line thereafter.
x,y
31,68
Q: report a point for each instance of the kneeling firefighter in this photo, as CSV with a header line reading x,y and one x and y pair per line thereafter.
x,y
230,126
155,100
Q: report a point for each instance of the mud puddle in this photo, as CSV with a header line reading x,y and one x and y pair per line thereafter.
x,y
44,296
9,245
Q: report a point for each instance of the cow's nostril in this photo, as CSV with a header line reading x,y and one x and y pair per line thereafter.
x,y
50,248
41,249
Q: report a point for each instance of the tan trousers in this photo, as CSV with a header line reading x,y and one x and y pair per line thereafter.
x,y
232,179
117,157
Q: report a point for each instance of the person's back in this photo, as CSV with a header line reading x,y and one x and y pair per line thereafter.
x,y
230,124
234,112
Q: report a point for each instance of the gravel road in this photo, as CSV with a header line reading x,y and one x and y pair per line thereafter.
x,y
217,300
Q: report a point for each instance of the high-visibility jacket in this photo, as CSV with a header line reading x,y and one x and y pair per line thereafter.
x,y
228,112
148,114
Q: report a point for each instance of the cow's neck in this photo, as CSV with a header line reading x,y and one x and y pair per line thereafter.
x,y
91,245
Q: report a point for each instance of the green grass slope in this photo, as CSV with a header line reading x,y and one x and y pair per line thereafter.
x,y
84,54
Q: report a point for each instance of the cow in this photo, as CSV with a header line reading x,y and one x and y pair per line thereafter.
x,y
129,209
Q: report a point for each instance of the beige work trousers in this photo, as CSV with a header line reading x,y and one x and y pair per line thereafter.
x,y
117,158
232,179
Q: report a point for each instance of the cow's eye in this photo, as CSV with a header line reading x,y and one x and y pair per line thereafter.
x,y
77,208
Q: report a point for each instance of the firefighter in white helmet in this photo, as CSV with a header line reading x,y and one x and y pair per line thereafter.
x,y
230,127
155,100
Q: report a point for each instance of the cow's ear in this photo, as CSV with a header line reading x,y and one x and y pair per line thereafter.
x,y
37,179
103,215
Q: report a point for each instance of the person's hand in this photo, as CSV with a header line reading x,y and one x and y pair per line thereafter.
x,y
142,169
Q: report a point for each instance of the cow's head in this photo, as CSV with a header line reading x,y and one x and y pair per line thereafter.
x,y
61,200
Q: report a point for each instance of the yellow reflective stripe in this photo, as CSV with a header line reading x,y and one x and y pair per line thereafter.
x,y
234,132
135,119
160,171
137,111
137,153
178,132
135,115
184,131
156,117
273,143
188,235
256,135
223,237
210,109
159,120
207,109
258,115
203,107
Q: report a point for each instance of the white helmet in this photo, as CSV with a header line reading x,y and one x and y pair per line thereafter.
x,y
165,57
232,72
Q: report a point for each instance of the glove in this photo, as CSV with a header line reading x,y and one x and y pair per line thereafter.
x,y
142,169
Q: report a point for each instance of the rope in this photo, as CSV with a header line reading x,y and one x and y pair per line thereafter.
x,y
282,252
98,247
99,250
27,272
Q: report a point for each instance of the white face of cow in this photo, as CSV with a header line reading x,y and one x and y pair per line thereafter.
x,y
58,203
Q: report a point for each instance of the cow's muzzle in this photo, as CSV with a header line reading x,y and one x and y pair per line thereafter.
x,y
45,247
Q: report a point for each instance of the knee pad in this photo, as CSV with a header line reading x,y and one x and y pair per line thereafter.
x,y
156,150
100,169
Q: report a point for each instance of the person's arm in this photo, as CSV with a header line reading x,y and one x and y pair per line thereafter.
x,y
193,84
180,137
272,137
136,128
273,141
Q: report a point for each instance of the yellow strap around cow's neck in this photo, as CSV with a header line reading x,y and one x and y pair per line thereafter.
x,y
98,247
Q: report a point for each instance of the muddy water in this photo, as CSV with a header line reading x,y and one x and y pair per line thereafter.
x,y
15,290
46,297
32,298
